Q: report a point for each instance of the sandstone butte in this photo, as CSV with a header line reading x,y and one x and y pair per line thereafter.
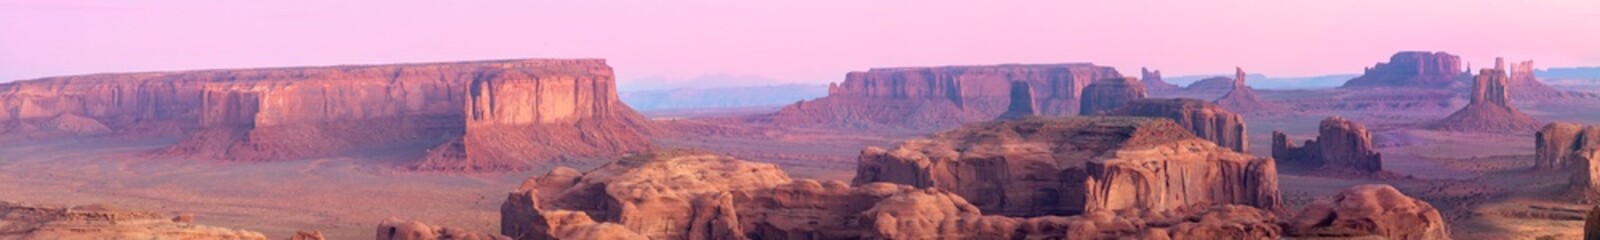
x,y
1489,110
1065,166
1341,145
931,98
1524,86
1152,81
484,115
1109,94
686,194
1203,119
1557,142
1413,69
1242,98
29,221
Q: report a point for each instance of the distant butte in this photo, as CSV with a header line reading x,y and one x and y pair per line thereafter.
x,y
1413,69
1489,110
1242,98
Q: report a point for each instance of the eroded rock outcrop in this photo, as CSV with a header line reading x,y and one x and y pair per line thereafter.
x,y
1585,170
1211,85
1109,94
1490,109
1372,210
29,221
400,229
1204,119
1557,142
929,98
685,194
1022,104
1065,166
1413,69
1340,145
542,109
1152,82
1241,98
1524,86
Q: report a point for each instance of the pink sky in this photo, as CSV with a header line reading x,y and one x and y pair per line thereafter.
x,y
788,41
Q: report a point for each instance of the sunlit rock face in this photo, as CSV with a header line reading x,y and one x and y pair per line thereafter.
x,y
1206,120
1065,166
930,98
552,108
1373,210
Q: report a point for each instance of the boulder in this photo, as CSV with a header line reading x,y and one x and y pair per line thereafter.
x,y
1065,166
1109,94
400,229
32,221
1206,120
304,235
1372,210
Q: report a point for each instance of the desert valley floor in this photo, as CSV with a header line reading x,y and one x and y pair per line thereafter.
x,y
1482,183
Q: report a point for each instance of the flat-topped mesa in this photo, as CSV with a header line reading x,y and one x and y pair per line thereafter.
x,y
1213,85
1152,81
942,97
1413,69
1557,142
29,221
300,112
1340,144
1203,119
1109,94
688,194
1489,109
1064,166
1022,104
1242,98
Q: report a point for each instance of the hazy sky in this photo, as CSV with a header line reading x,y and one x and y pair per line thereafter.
x,y
788,41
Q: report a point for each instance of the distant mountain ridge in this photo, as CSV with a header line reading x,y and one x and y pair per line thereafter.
x,y
1262,81
722,97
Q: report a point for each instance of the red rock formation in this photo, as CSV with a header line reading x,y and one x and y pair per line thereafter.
x,y
1060,166
1524,86
1022,104
304,235
1211,85
28,221
1489,110
1341,144
1556,143
1372,210
1152,81
1585,167
682,194
1108,94
568,106
1413,69
1241,98
941,97
398,229
1591,224
1204,119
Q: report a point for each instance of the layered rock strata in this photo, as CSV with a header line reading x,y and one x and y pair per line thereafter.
x,y
1368,211
551,109
1204,119
29,221
1065,166
1022,104
1340,144
929,98
1413,69
684,194
1489,110
1557,142
1108,94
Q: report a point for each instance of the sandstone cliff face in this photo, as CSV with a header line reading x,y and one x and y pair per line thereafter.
x,y
684,194
1489,110
1585,169
399,229
1022,104
1241,98
1108,94
1372,210
1152,81
941,97
1064,166
1413,69
302,112
1341,144
28,221
1206,120
1556,143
